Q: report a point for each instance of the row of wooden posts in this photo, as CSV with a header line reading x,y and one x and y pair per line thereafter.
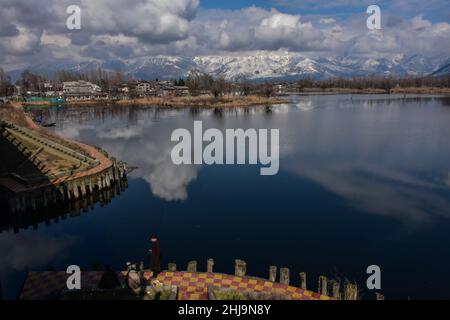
x,y
68,190
326,287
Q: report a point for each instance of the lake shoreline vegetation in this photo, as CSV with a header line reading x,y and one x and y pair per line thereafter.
x,y
100,87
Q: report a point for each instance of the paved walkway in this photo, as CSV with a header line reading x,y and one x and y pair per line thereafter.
x,y
104,164
194,286
191,286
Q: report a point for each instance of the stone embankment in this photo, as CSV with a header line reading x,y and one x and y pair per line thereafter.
x,y
48,170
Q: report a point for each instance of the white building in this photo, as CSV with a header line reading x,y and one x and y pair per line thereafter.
x,y
80,88
143,87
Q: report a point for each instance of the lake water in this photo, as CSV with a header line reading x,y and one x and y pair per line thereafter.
x,y
364,180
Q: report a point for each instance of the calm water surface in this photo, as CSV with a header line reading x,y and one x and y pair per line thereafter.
x,y
363,180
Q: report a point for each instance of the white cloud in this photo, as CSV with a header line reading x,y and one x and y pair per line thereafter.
x,y
150,20
115,29
24,42
151,156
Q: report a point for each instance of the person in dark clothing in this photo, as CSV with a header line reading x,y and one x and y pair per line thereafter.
x,y
109,280
155,258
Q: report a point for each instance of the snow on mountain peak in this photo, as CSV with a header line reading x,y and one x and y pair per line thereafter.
x,y
259,66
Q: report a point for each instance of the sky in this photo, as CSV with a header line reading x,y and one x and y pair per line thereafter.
x,y
34,32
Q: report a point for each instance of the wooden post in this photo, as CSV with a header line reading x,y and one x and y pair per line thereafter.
x,y
350,291
240,268
323,285
210,266
192,266
172,267
273,273
284,276
62,193
335,289
303,280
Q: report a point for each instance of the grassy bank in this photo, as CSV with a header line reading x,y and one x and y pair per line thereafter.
x,y
198,101
14,113
205,101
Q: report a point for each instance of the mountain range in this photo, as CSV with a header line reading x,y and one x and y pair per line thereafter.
x,y
256,67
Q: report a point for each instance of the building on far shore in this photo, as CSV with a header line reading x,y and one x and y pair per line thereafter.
x,y
175,91
82,90
52,89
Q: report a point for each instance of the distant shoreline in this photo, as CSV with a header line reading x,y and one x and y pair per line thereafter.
x,y
241,101
410,90
198,101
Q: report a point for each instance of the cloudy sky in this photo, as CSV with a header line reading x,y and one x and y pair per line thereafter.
x,y
35,32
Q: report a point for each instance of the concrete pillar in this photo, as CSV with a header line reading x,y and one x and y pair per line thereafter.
x,y
285,276
83,189
100,183
114,170
335,289
90,186
273,273
323,285
172,267
62,192
303,280
350,291
76,194
105,179
111,175
240,268
69,191
192,266
210,266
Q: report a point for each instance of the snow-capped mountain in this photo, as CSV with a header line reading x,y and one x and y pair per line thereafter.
x,y
443,70
258,66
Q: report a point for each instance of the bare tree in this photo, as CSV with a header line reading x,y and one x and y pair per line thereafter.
x,y
267,89
5,83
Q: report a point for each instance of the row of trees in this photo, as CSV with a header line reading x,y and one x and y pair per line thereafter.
x,y
374,82
199,82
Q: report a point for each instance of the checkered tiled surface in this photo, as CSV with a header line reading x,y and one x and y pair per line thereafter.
x,y
191,286
194,286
